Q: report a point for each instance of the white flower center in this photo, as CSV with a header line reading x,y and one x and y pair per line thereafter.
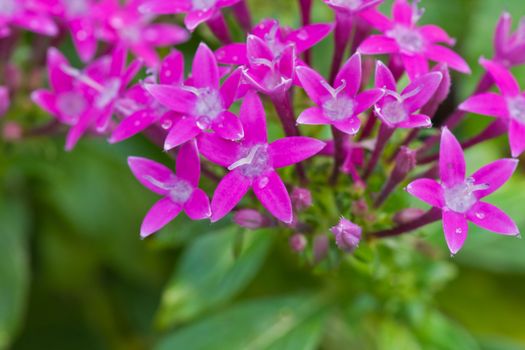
x,y
71,104
253,161
203,4
348,4
274,43
8,7
110,93
337,107
408,39
76,8
394,112
181,191
208,105
461,198
516,108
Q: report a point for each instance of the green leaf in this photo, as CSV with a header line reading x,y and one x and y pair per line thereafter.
x,y
294,322
14,269
211,272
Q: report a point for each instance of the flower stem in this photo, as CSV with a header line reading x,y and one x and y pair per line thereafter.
x,y
385,132
339,153
429,217
219,28
243,15
343,32
306,17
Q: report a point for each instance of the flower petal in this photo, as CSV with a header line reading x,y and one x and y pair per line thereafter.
x,y
194,18
78,130
198,206
351,73
491,218
230,88
455,227
58,80
161,34
205,71
435,34
256,48
516,137
133,125
173,97
427,190
421,90
416,121
273,195
445,55
228,193
232,54
349,126
163,7
494,175
384,78
228,126
313,116
451,160
183,130
415,65
367,99
253,119
188,166
150,173
83,35
503,78
217,150
488,103
45,100
159,216
377,45
313,83
172,69
308,36
291,150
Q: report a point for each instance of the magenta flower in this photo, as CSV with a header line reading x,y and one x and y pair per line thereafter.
x,y
28,15
509,48
339,106
252,163
510,105
459,197
128,27
277,39
197,11
415,45
399,110
180,191
201,103
352,6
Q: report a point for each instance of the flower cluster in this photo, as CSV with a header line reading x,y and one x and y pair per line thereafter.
x,y
332,137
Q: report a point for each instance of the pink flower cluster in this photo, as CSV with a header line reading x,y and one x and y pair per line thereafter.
x,y
217,111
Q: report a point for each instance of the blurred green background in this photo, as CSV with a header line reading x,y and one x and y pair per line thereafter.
x,y
75,275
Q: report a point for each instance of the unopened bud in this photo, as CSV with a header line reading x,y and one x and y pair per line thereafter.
x,y
321,245
405,162
407,215
12,131
301,198
250,219
297,242
347,235
441,93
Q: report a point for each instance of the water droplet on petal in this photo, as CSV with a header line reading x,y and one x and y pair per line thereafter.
x,y
480,215
203,123
303,35
263,182
137,123
166,124
459,230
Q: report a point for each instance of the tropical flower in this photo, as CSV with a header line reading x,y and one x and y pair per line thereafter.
x,y
460,197
252,163
339,106
180,190
414,45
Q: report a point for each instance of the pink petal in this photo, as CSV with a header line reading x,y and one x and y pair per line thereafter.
x,y
488,103
164,34
384,78
287,62
416,121
146,52
183,130
163,7
45,100
198,206
427,190
172,69
188,166
377,20
173,97
435,34
491,218
232,54
58,80
83,35
226,3
494,175
377,45
228,126
159,216
351,74
38,23
504,79
422,90
501,34
150,173
265,26
256,48
194,18
217,150
516,137
415,65
349,126
451,160
131,71
272,194
313,116
230,87
402,12
118,61
308,36
367,99
133,125
229,192
253,119
205,71
445,55
291,150
455,227
78,130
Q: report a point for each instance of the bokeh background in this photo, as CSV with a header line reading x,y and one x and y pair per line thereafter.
x,y
75,275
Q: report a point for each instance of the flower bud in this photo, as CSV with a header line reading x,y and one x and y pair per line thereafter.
x,y
321,245
407,215
250,219
347,235
301,198
441,93
297,242
12,131
405,163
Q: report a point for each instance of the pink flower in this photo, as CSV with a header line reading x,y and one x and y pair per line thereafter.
x,y
128,27
180,191
202,103
276,39
339,106
28,15
197,11
399,110
459,197
352,6
415,45
509,48
510,105
252,163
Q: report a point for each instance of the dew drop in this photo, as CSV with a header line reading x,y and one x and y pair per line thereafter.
x,y
459,230
167,73
137,123
166,124
263,182
303,35
480,215
203,123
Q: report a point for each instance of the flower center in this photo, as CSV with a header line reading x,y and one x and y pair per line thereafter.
x,y
76,8
109,93
516,107
461,198
348,4
71,104
394,112
274,42
203,4
180,191
208,105
409,40
8,8
253,161
338,108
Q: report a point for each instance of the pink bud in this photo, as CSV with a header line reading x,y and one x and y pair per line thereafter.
x,y
250,219
297,242
301,198
347,235
12,131
406,215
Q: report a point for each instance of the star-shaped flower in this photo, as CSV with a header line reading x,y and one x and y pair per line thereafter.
x,y
460,197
